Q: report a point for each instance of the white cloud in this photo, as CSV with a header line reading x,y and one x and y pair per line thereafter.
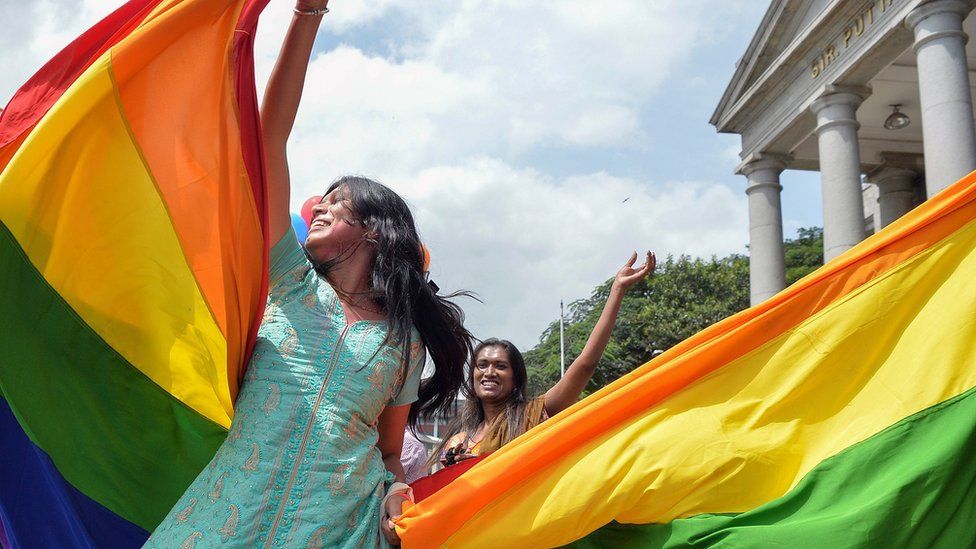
x,y
475,88
523,240
602,125
380,117
36,30
568,71
499,78
731,154
452,117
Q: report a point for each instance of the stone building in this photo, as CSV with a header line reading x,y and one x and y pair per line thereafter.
x,y
873,94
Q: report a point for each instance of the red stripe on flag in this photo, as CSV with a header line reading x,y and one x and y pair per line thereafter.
x,y
42,91
427,486
253,151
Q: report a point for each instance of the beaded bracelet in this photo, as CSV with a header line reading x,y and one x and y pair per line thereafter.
x,y
322,11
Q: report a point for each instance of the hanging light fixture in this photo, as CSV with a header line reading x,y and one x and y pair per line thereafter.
x,y
897,119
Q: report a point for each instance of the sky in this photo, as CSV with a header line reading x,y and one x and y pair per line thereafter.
x,y
538,142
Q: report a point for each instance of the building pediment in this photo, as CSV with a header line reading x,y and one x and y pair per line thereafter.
x,y
784,22
805,49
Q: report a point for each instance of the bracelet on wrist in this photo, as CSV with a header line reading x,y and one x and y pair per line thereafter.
x,y
312,13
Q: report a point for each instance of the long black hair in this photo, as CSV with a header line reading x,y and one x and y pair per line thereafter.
x,y
399,285
516,418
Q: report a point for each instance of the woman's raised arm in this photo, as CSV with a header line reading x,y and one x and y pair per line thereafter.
x,y
280,106
568,389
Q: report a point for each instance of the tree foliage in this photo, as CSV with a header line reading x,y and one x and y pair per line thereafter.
x,y
804,254
685,296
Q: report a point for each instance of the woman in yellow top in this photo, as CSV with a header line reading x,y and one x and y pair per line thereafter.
x,y
497,409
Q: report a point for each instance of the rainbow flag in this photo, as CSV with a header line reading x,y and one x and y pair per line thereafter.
x,y
133,258
840,413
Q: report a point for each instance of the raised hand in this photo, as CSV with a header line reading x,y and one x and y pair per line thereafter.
x,y
568,389
628,275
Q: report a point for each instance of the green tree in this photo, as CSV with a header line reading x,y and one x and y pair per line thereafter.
x,y
685,296
804,254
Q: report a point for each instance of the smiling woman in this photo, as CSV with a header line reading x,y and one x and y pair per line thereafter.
x,y
497,408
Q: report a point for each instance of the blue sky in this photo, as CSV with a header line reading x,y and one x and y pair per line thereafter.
x,y
516,130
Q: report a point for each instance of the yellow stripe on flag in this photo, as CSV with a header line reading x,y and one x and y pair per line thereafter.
x,y
83,206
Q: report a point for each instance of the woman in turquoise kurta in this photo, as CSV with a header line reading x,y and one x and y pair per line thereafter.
x,y
313,453
300,466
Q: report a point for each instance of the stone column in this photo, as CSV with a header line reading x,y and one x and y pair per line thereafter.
x,y
943,84
840,168
896,192
767,266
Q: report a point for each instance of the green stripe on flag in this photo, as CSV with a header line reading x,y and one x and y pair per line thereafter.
x,y
112,433
911,485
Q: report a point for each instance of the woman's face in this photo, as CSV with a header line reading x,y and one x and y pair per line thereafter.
x,y
493,376
335,228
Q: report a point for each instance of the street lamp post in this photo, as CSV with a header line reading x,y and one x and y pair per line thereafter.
x,y
562,342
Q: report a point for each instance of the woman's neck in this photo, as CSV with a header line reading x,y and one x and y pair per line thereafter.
x,y
351,276
491,410
350,280
347,283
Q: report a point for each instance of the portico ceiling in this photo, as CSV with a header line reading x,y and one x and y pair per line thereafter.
x,y
896,84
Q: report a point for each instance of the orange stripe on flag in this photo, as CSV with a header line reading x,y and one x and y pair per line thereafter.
x,y
198,176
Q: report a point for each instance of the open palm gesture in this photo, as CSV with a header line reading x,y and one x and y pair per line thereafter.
x,y
628,275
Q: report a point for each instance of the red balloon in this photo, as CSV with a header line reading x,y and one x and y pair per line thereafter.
x,y
307,208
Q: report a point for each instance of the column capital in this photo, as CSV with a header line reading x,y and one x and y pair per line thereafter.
x,y
836,94
927,27
910,161
892,178
938,7
837,106
896,192
763,161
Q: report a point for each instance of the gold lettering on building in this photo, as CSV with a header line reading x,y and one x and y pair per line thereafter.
x,y
854,30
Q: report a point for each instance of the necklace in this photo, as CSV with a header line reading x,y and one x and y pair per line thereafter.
x,y
355,301
373,310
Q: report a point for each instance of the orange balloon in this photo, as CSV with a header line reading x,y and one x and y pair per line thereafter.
x,y
426,253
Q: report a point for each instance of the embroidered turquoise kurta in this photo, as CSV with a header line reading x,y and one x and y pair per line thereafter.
x,y
300,467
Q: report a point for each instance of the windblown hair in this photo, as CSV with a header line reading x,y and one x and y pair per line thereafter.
x,y
398,284
520,415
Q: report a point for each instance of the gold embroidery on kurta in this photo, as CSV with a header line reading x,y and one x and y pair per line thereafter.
x,y
317,539
251,465
273,399
337,485
191,540
183,515
229,529
218,488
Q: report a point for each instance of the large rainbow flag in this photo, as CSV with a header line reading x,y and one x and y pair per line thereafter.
x,y
840,413
133,249
133,267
